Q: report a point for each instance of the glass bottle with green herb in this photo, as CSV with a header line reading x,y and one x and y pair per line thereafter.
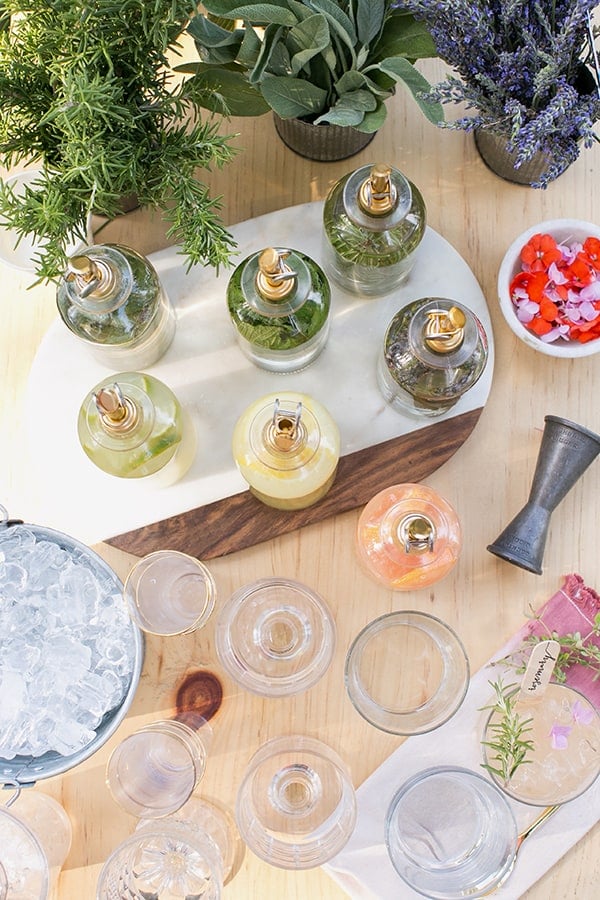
x,y
112,299
434,351
131,425
373,222
279,301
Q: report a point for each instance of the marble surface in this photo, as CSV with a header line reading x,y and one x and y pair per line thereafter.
x,y
215,383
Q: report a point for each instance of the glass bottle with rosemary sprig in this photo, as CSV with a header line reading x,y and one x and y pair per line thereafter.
x,y
132,425
373,222
434,351
279,301
112,299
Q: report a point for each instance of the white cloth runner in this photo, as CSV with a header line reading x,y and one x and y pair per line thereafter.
x,y
363,868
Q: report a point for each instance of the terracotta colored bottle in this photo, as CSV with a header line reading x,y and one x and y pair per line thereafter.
x,y
408,537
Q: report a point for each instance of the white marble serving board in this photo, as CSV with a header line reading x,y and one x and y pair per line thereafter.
x,y
215,382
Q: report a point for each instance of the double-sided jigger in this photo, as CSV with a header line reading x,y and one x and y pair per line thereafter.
x,y
566,451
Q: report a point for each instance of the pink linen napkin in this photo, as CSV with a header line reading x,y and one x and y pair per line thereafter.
x,y
363,868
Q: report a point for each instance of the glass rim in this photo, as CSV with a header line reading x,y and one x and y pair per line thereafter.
x,y
433,712
130,593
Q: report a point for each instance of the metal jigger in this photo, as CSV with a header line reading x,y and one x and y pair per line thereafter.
x,y
565,453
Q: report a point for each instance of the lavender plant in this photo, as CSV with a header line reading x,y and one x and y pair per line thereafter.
x,y
527,68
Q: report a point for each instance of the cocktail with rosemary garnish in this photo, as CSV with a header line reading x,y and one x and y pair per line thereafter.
x,y
542,750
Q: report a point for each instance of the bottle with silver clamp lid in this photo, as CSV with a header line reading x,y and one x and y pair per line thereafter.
x,y
434,351
408,537
279,302
131,425
373,222
112,299
287,446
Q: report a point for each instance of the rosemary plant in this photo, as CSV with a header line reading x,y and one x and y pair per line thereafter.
x,y
575,650
508,745
86,91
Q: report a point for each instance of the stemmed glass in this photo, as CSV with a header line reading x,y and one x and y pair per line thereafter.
x,y
296,806
275,637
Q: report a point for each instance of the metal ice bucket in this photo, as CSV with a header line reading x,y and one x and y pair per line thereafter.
x,y
24,770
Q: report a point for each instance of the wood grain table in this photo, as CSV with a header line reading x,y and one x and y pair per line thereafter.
x,y
487,480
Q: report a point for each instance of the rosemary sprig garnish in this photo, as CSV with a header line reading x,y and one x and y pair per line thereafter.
x,y
574,650
508,747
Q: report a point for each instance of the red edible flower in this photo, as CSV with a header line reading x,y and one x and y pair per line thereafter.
x,y
540,252
591,249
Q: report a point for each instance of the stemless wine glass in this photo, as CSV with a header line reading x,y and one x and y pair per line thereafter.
x,y
168,593
406,672
296,806
564,729
153,772
450,833
275,637
187,854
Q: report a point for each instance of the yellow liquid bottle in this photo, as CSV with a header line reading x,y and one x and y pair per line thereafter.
x,y
287,446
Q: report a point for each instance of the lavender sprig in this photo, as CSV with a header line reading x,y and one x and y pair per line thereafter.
x,y
520,65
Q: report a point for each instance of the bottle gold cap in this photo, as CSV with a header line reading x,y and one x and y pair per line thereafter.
x,y
416,533
377,194
275,280
118,413
444,329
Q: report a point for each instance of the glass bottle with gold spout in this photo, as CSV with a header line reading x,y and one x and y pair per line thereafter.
x,y
279,302
434,351
287,446
131,425
112,299
408,537
373,222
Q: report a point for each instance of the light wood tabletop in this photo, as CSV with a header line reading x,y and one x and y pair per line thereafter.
x,y
487,481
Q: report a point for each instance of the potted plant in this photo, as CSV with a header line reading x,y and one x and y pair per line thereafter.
x,y
87,94
528,70
330,63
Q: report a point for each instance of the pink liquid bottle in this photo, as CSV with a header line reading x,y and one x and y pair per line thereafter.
x,y
408,537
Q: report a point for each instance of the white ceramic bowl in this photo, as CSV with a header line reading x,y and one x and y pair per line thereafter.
x,y
567,230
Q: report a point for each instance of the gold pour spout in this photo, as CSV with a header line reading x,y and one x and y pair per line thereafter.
x,y
445,329
417,533
89,275
377,194
285,427
275,280
118,413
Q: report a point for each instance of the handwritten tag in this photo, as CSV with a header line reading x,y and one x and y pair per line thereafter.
x,y
539,669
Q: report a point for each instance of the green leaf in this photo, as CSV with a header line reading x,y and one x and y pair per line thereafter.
x,y
403,36
350,109
307,39
350,81
226,92
271,35
337,18
374,119
214,44
401,70
274,13
292,97
369,19
249,49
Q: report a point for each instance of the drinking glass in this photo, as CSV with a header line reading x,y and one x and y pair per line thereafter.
x,y
275,637
51,825
153,772
406,672
450,833
296,806
187,854
169,593
24,872
564,728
